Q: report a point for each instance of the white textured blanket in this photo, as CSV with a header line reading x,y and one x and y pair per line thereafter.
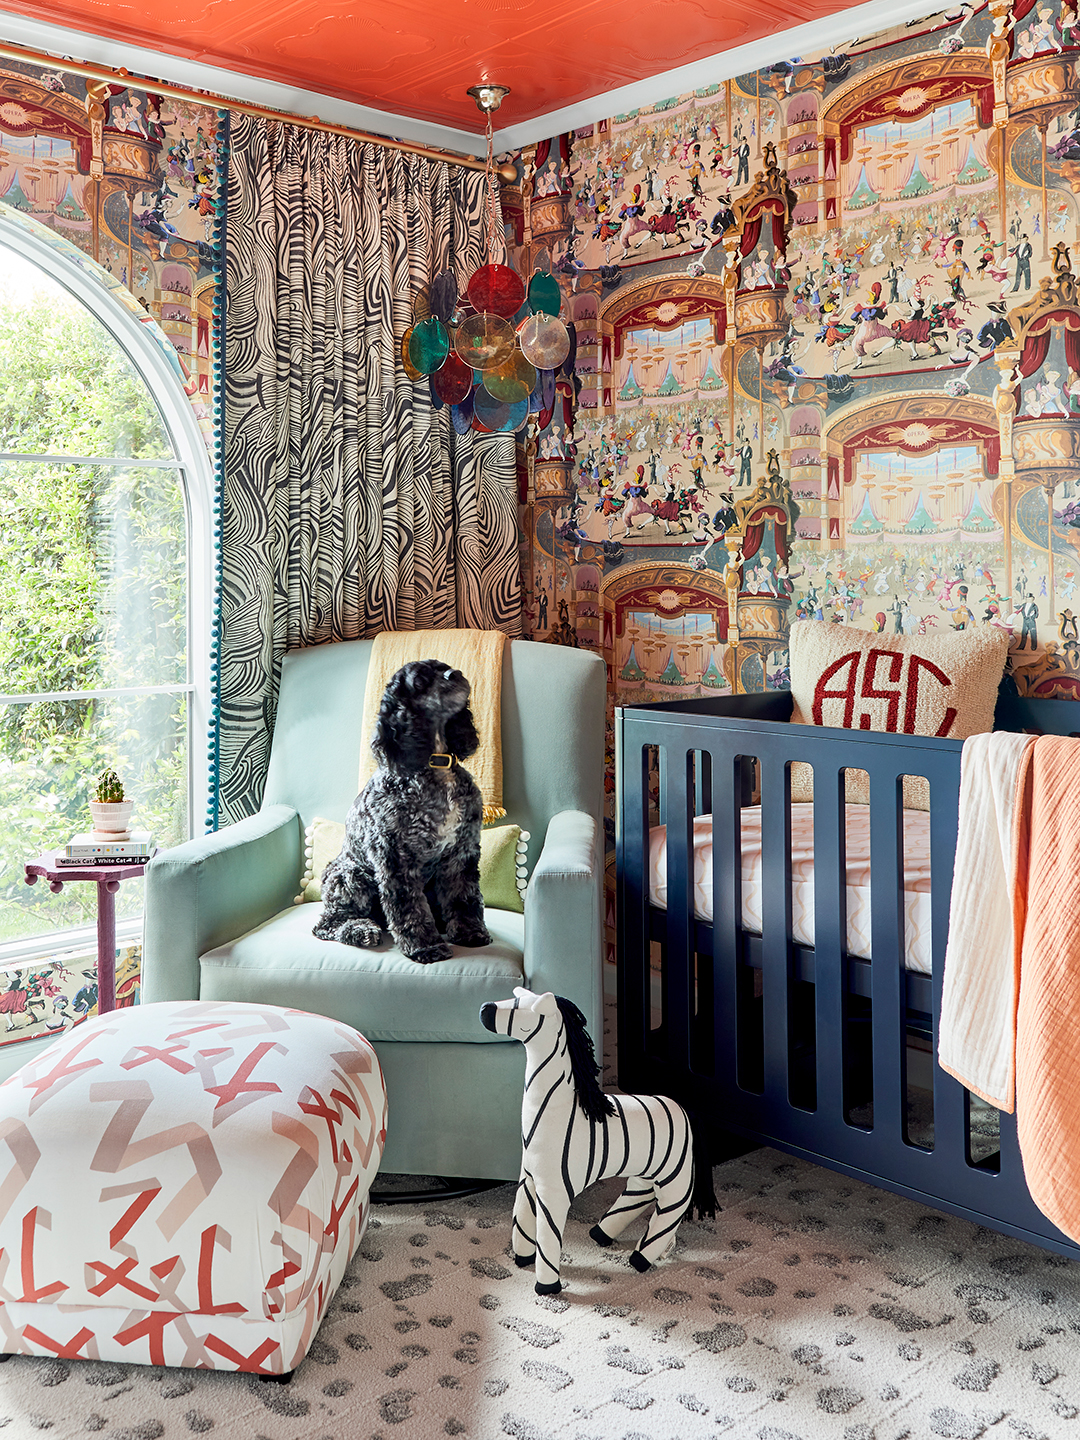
x,y
977,1030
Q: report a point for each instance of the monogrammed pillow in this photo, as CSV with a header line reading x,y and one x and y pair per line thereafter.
x,y
942,684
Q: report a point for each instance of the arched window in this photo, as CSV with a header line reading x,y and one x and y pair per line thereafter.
x,y
105,578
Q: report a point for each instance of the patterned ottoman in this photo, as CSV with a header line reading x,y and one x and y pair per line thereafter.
x,y
185,1184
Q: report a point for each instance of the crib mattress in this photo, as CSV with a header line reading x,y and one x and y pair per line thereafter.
x,y
916,877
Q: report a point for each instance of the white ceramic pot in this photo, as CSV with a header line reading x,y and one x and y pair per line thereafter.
x,y
112,816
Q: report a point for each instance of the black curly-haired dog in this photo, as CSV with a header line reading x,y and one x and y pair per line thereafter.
x,y
410,863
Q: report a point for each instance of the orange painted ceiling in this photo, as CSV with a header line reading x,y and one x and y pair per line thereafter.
x,y
418,57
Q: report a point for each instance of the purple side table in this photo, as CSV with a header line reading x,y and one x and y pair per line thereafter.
x,y
107,879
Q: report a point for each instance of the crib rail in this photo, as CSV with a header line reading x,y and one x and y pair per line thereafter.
x,y
764,1037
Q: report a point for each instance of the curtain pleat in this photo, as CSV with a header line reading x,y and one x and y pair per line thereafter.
x,y
350,505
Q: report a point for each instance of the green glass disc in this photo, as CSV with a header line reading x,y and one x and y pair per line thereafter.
x,y
429,345
544,295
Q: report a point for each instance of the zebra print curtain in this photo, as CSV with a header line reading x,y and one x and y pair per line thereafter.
x,y
349,504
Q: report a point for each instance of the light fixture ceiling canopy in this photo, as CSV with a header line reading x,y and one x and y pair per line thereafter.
x,y
488,97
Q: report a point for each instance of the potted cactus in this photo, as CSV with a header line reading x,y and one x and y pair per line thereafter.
x,y
108,809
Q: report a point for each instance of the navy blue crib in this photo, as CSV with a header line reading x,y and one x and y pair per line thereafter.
x,y
806,1048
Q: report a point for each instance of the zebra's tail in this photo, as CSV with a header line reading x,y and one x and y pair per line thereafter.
x,y
703,1201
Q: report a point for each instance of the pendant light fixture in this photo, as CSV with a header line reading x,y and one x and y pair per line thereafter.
x,y
491,355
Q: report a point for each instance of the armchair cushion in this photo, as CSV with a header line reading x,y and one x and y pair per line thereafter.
x,y
379,992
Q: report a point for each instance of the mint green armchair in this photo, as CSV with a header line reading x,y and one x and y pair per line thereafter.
x,y
221,922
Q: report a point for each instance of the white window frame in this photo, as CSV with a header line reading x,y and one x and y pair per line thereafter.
x,y
141,341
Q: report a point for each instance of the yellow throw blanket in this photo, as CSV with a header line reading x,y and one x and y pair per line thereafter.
x,y
478,654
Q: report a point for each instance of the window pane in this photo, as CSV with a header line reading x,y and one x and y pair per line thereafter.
x,y
92,579
66,386
50,755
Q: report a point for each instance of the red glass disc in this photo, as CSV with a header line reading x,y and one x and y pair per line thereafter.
x,y
453,381
496,289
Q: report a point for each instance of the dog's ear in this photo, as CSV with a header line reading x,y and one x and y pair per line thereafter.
x,y
461,737
403,735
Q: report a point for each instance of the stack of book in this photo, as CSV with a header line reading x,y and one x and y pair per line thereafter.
x,y
135,848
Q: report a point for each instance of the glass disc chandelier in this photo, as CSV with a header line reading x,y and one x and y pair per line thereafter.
x,y
490,354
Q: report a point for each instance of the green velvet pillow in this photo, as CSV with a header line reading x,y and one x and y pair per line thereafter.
x,y
503,875
502,867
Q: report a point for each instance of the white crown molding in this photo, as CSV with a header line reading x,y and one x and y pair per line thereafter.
x,y
811,38
230,84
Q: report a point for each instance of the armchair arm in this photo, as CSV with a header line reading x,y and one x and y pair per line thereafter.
x,y
211,890
563,914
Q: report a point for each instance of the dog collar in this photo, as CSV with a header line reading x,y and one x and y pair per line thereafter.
x,y
442,762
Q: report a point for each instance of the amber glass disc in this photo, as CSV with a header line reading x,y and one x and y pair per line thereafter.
x,y
544,341
497,414
453,381
484,341
545,297
513,381
428,345
410,368
496,289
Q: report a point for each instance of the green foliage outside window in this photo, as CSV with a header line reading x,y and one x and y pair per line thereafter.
x,y
92,594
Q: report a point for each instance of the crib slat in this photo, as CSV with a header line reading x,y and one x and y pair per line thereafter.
x,y
776,926
950,1101
887,989
632,862
727,911
676,790
830,939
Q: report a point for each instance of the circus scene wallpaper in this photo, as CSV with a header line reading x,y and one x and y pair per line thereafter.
x,y
826,339
130,179
827,365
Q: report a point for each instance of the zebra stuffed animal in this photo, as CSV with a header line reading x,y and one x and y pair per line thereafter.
x,y
572,1134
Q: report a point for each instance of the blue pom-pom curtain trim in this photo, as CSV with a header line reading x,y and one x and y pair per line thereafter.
x,y
220,222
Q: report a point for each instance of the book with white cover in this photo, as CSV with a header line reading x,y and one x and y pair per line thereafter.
x,y
138,843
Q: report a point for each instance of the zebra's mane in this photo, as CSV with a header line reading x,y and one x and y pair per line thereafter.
x,y
583,1066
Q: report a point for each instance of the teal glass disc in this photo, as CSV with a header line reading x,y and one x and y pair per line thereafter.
x,y
429,345
544,294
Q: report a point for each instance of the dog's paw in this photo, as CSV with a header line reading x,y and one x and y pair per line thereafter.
x,y
459,933
364,934
430,954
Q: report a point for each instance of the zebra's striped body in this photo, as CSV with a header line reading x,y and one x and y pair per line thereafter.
x,y
573,1135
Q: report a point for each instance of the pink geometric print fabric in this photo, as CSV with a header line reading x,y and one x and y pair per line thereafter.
x,y
184,1184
